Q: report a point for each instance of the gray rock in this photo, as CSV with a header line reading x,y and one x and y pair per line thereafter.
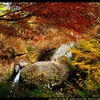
x,y
42,73
16,68
63,50
22,63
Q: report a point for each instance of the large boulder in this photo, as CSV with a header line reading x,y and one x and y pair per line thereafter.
x,y
44,73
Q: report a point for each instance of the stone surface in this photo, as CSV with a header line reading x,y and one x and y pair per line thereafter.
x,y
63,50
42,73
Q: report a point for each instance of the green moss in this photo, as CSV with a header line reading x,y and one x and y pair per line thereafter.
x,y
4,89
37,91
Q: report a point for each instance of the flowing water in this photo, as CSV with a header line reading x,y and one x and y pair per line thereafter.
x,y
15,82
17,77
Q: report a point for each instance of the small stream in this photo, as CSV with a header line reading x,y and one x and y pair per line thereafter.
x,y
17,77
14,88
15,82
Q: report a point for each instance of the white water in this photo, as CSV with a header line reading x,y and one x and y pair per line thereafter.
x,y
15,81
17,77
22,63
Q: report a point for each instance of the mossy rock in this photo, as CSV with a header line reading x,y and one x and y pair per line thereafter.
x,y
42,73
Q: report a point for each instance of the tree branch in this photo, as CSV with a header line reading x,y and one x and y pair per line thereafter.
x,y
29,15
15,11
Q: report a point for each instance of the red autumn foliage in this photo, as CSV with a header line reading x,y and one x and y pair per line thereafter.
x,y
78,16
72,15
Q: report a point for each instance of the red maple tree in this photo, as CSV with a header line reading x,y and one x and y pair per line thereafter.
x,y
78,16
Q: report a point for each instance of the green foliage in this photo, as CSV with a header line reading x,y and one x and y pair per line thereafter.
x,y
4,89
37,92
